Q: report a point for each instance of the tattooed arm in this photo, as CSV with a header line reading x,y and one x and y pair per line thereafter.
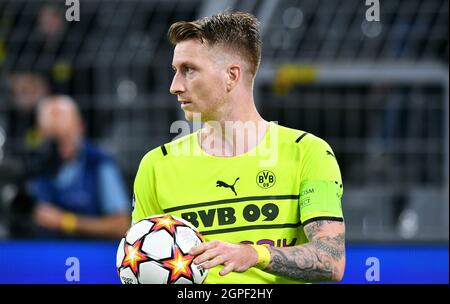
x,y
321,259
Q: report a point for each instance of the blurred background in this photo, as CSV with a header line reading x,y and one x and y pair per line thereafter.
x,y
377,91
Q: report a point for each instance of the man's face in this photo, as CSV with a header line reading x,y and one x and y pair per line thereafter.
x,y
27,89
62,124
199,80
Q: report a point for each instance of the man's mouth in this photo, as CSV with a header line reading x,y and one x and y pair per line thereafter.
x,y
185,103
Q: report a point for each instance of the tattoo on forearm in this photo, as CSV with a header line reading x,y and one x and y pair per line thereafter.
x,y
312,262
333,246
302,263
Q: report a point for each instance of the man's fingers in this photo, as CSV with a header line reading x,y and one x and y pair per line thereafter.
x,y
214,262
205,256
196,250
227,269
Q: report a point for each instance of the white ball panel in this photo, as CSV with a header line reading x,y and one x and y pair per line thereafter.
x,y
120,253
185,222
186,239
138,230
183,281
152,273
158,245
127,276
198,274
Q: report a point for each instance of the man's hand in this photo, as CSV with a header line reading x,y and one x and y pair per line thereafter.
x,y
235,257
51,217
48,216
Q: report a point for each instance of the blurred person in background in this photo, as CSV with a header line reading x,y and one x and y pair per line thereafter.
x,y
51,23
82,193
54,46
20,142
27,88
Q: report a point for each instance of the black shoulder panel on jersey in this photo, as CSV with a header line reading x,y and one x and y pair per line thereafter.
x,y
164,151
301,137
323,218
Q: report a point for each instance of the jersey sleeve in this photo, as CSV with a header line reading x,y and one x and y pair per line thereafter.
x,y
321,186
144,197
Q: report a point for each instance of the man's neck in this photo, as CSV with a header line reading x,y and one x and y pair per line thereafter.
x,y
233,136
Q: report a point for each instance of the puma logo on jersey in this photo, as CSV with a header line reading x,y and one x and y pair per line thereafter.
x,y
220,183
329,153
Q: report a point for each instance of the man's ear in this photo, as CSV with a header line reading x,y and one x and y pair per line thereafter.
x,y
234,76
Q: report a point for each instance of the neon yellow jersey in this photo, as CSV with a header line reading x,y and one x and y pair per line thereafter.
x,y
264,196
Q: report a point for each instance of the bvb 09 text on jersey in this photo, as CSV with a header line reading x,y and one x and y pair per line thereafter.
x,y
228,216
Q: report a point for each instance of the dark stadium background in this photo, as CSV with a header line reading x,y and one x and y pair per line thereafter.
x,y
377,91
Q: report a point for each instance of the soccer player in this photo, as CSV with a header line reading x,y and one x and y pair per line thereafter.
x,y
266,198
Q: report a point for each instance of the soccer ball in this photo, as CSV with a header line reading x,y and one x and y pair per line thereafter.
x,y
155,251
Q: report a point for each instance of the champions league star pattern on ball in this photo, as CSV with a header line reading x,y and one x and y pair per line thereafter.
x,y
179,265
166,222
155,251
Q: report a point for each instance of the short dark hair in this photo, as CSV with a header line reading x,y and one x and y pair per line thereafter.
x,y
237,31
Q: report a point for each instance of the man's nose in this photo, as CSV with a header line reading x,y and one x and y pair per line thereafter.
x,y
177,86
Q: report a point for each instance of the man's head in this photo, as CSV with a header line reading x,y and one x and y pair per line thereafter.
x,y
51,20
27,88
59,119
214,59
